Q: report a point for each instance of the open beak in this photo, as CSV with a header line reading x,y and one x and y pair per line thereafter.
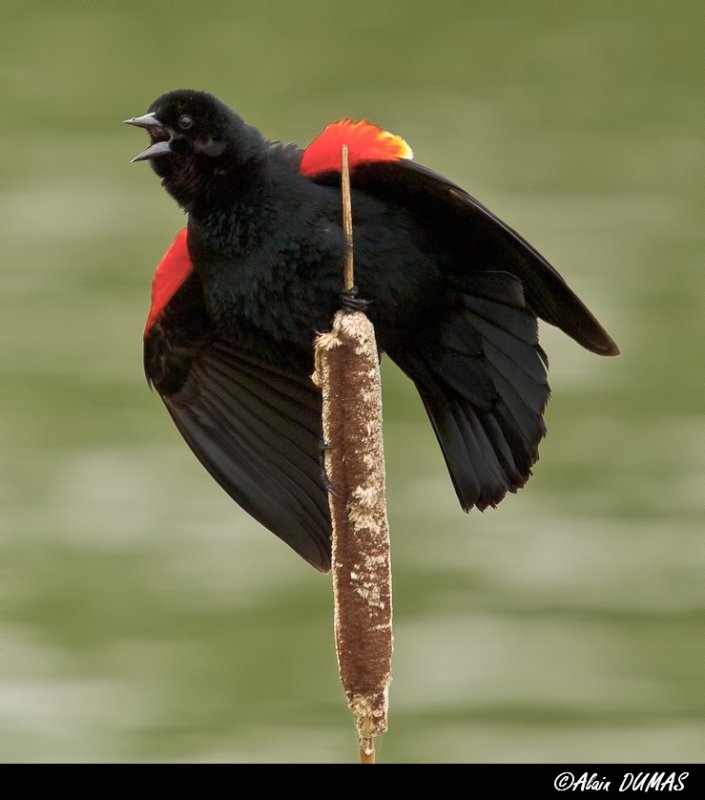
x,y
161,138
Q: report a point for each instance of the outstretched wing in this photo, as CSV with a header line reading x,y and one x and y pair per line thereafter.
x,y
480,241
478,367
476,361
254,427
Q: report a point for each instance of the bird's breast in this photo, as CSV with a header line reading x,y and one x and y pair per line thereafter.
x,y
275,279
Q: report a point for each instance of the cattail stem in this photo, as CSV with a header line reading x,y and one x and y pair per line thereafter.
x,y
347,370
348,267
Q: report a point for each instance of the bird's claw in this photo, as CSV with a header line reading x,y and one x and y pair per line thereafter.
x,y
350,300
322,447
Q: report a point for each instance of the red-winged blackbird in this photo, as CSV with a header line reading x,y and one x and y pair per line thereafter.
x,y
453,293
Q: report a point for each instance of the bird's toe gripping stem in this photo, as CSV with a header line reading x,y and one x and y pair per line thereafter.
x,y
350,300
322,447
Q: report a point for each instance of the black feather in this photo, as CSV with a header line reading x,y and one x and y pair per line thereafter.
x,y
254,426
482,377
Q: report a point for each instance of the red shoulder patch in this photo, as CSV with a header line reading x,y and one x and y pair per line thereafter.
x,y
172,271
365,141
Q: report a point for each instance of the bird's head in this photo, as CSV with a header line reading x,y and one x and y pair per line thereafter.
x,y
196,142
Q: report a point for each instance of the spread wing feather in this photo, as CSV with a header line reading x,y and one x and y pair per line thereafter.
x,y
253,426
480,241
477,363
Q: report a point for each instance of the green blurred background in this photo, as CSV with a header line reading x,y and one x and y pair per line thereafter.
x,y
144,616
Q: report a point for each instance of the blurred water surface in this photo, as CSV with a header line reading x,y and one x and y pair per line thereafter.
x,y
143,616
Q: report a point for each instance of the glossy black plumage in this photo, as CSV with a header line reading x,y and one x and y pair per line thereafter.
x,y
454,298
254,427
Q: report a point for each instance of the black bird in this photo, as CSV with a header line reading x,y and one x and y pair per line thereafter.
x,y
453,293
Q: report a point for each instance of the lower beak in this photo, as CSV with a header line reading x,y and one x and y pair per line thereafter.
x,y
161,139
153,151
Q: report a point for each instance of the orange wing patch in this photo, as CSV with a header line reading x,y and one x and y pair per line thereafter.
x,y
365,141
172,271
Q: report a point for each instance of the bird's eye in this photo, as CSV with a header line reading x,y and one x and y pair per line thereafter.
x,y
185,122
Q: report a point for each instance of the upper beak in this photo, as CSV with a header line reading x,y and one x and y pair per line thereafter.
x,y
161,138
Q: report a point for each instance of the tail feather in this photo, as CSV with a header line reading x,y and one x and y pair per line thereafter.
x,y
477,475
482,377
